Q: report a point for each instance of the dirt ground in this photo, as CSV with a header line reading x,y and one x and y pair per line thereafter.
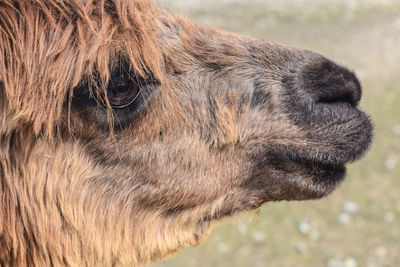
x,y
359,224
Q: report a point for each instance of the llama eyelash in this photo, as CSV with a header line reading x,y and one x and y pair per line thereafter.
x,y
126,94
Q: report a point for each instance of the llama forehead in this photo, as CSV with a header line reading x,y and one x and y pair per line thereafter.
x,y
192,47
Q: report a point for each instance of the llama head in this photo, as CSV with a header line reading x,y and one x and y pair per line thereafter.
x,y
125,131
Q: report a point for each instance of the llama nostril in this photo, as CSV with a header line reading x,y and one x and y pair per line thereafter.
x,y
327,82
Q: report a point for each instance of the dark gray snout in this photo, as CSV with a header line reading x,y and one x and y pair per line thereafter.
x,y
328,82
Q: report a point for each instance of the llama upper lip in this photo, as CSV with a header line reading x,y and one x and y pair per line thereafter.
x,y
343,140
340,151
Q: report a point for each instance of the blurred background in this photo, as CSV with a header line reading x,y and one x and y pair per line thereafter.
x,y
359,224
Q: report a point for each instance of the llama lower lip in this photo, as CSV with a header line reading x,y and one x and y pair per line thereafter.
x,y
321,171
303,178
309,160
332,172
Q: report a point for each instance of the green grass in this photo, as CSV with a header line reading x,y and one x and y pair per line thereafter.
x,y
368,43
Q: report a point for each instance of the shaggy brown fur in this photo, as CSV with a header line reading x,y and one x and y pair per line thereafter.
x,y
219,123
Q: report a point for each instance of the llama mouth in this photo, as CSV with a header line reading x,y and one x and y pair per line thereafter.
x,y
293,176
316,165
314,179
340,142
307,167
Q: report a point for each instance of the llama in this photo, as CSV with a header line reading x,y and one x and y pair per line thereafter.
x,y
126,131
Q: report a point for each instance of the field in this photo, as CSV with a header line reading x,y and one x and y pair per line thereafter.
x,y
359,224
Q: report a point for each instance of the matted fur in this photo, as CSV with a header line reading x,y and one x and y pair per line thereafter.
x,y
223,124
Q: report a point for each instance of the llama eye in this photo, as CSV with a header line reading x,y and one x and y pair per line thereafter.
x,y
122,91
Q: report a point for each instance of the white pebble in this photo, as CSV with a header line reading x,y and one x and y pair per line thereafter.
x,y
258,236
344,218
389,217
334,263
350,262
396,128
350,207
381,252
390,163
304,226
